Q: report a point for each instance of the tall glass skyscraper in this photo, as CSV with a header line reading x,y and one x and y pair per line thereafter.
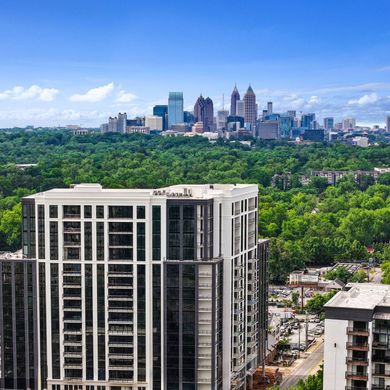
x,y
175,108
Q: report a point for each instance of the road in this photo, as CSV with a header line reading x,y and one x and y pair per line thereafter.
x,y
304,369
376,276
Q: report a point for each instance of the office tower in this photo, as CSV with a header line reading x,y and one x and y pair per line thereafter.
x,y
285,125
233,101
148,289
388,124
162,111
189,117
268,130
292,113
240,109
349,124
154,122
18,324
250,115
221,119
315,135
122,122
112,124
307,120
264,115
137,121
269,108
204,112
175,108
357,328
329,123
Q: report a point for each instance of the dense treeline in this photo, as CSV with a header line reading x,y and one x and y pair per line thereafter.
x,y
315,224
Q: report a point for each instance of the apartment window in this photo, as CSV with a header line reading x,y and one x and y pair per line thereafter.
x,y
71,211
101,322
125,212
89,321
100,240
87,211
55,321
140,212
53,240
141,241
121,253
156,233
141,322
88,240
41,231
100,212
53,211
28,226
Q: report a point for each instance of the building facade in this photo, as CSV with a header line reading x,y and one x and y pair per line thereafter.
x,y
329,123
147,289
250,109
233,101
204,112
175,108
162,111
18,325
154,122
357,338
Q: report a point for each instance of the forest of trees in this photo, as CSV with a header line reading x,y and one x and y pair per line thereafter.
x,y
308,225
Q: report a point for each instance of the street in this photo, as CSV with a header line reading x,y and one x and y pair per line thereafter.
x,y
305,368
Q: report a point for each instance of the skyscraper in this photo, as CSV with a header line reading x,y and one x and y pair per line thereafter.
x,y
308,120
240,109
148,289
269,108
349,124
250,114
388,124
175,108
329,123
234,98
221,119
122,121
204,112
162,110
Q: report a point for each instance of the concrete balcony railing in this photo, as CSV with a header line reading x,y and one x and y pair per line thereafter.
x,y
358,331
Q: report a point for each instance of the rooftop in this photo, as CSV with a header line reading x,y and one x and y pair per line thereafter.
x,y
192,191
362,296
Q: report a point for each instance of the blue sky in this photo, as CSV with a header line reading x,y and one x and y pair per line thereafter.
x,y
79,61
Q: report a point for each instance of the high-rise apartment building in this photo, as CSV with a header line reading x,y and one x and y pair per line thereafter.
x,y
154,122
329,123
250,108
175,108
357,338
233,101
204,112
122,122
18,324
388,124
148,289
112,124
162,111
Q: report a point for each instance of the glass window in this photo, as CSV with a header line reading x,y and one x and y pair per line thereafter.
x,y
99,211
53,211
120,212
71,211
141,212
87,211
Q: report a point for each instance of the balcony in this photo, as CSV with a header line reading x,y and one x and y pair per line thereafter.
x,y
355,346
381,359
358,332
381,373
357,361
380,344
356,376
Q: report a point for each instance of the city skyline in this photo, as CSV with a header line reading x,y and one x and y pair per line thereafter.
x,y
58,75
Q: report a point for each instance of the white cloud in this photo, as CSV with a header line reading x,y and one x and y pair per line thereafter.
x,y
364,100
33,92
94,95
313,100
125,97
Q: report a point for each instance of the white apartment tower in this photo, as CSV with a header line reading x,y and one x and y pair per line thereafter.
x,y
357,338
148,289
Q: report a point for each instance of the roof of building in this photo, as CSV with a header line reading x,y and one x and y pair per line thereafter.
x,y
362,296
192,191
11,255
